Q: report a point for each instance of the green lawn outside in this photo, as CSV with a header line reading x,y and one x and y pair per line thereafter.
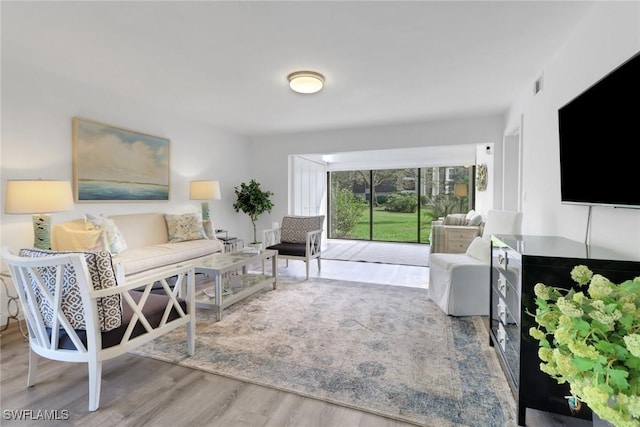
x,y
391,227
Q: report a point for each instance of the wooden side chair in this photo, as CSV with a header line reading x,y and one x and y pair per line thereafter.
x,y
76,311
298,238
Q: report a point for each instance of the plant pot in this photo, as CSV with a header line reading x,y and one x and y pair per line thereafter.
x,y
599,422
256,245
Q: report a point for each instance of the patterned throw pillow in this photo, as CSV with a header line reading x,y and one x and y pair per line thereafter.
x,y
115,240
294,228
185,227
475,219
102,276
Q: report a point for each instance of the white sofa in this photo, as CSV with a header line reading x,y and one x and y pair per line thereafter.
x,y
147,243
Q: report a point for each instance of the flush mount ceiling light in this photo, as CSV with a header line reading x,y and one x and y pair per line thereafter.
x,y
306,81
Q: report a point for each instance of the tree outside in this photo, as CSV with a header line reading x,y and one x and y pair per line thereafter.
x,y
396,204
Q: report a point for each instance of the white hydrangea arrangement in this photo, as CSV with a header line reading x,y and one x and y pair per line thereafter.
x,y
592,342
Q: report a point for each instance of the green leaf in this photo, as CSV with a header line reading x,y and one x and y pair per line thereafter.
x,y
605,347
630,286
542,304
620,352
580,325
584,364
627,321
599,327
633,363
618,378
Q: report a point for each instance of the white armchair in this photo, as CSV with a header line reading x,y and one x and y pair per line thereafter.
x,y
77,312
459,283
299,237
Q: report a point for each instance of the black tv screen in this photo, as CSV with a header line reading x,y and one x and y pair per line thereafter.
x,y
599,136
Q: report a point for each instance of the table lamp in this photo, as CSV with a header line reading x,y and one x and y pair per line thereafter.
x,y
38,197
460,190
204,190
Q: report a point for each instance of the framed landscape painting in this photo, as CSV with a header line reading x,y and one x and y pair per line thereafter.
x,y
116,164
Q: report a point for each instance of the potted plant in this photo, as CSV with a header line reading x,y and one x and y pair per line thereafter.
x,y
591,340
252,201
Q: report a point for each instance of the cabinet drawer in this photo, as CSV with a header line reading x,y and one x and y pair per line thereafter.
x,y
458,239
506,296
503,259
457,246
461,234
502,284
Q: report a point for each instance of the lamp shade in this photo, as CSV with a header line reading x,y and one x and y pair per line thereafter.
x,y
38,196
460,190
306,81
204,190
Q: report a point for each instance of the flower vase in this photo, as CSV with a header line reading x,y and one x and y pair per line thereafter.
x,y
599,422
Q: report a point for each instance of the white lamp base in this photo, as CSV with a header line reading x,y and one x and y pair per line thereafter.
x,y
42,231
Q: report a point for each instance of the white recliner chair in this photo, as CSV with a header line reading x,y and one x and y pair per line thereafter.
x,y
459,283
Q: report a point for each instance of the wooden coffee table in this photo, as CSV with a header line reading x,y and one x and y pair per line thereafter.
x,y
232,282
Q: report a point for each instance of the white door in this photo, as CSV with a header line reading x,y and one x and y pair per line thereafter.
x,y
308,187
512,171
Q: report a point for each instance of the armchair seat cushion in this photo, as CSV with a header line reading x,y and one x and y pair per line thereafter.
x,y
153,310
290,249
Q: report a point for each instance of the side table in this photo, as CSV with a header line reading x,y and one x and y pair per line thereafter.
x,y
230,243
13,306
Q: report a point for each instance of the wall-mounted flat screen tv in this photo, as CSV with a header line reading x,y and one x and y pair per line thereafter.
x,y
599,138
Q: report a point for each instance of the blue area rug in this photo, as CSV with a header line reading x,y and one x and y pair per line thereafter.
x,y
383,349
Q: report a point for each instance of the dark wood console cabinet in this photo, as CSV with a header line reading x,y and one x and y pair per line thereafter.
x,y
517,264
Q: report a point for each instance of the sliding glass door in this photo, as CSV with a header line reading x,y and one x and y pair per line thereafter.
x,y
395,205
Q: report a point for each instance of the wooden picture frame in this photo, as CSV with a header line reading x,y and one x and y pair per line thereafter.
x,y
114,164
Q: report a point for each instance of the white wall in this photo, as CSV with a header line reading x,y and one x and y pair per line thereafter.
x,y
270,153
37,109
485,200
608,36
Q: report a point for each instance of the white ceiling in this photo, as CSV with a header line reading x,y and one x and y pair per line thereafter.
x,y
225,63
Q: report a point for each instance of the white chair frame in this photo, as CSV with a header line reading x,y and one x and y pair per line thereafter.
x,y
313,246
24,269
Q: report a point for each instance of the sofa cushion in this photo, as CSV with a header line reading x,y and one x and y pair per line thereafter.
x,y
449,262
138,260
70,239
102,275
142,229
184,227
114,238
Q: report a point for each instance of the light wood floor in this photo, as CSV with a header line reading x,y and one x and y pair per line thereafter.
x,y
138,391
